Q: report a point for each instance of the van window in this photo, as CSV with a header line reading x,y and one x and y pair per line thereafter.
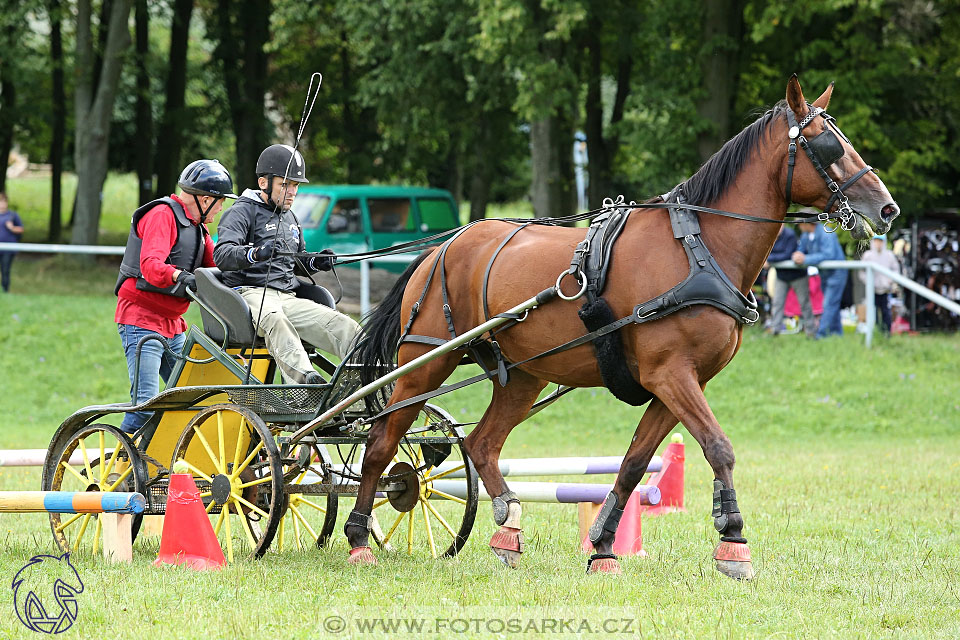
x,y
309,209
436,214
345,217
390,214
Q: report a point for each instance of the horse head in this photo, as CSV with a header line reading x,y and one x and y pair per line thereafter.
x,y
38,609
829,173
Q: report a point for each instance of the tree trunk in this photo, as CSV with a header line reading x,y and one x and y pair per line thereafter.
x,y
545,187
168,162
241,50
598,160
59,122
93,117
144,116
8,108
722,31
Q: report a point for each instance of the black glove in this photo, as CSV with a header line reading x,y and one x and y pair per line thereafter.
x,y
322,261
188,280
262,253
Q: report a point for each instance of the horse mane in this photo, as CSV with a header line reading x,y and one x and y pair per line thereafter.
x,y
717,174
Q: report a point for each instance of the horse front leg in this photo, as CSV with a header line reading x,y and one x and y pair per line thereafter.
x,y
382,443
509,406
683,395
656,423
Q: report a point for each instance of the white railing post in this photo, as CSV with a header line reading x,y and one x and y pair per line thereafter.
x,y
364,287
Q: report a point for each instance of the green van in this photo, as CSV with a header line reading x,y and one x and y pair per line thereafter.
x,y
355,218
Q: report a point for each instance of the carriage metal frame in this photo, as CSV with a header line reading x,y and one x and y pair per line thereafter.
x,y
295,449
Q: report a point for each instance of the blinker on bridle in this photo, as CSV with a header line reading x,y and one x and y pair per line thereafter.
x,y
823,150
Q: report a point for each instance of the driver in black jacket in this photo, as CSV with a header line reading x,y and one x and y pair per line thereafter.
x,y
253,236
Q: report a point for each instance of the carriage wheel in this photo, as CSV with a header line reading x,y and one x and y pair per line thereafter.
x,y
235,462
427,515
104,459
309,519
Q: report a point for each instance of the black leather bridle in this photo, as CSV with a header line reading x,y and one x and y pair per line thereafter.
x,y
823,150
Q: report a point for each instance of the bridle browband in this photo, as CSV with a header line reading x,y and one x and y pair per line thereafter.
x,y
823,150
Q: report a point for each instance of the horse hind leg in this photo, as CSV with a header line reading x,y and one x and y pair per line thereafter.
x,y
508,407
656,423
683,395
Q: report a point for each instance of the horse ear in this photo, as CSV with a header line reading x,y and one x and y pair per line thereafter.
x,y
824,98
795,99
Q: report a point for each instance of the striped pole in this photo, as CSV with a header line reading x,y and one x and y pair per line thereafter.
x,y
519,467
71,502
564,493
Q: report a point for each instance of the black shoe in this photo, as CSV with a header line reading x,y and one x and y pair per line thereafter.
x,y
313,378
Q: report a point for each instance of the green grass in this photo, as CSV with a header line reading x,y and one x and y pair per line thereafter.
x,y
848,475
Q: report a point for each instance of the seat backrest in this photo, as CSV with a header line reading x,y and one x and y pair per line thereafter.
x,y
229,305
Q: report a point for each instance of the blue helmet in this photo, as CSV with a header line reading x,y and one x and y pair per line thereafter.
x,y
206,178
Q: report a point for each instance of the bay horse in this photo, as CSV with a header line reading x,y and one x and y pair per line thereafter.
x,y
757,172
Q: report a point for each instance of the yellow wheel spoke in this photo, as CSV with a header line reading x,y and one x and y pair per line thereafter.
x,y
220,440
96,536
206,494
123,476
254,482
313,534
83,529
226,511
113,459
246,461
280,533
64,525
387,537
252,506
445,473
246,527
303,501
210,506
86,460
380,503
79,475
103,451
440,518
446,496
410,532
198,472
240,432
216,527
426,521
296,531
216,463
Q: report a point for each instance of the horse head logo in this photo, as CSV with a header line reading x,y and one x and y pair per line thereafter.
x,y
32,582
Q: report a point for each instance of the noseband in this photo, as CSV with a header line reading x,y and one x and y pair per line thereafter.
x,y
823,150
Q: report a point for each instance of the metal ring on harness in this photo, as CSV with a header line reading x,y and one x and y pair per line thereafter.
x,y
580,278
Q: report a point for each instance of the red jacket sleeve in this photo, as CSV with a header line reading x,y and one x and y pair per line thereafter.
x,y
158,229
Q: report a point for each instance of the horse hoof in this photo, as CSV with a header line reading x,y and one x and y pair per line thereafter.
x,y
733,560
507,544
362,555
604,564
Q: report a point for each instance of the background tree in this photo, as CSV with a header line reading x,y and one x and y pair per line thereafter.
x,y
93,104
59,120
168,158
144,108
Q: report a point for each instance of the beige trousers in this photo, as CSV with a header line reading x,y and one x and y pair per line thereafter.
x,y
287,320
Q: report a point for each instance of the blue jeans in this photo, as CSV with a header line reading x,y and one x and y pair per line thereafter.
x,y
832,283
155,363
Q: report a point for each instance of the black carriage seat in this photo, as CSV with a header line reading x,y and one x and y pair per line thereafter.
x,y
233,310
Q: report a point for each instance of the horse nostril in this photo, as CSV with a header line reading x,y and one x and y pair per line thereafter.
x,y
889,212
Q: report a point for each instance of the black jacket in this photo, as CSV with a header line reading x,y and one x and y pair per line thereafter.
x,y
249,223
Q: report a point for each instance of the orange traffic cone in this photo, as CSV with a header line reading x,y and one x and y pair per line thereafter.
x,y
188,537
629,539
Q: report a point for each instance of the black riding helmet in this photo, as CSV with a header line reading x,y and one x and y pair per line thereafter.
x,y
206,178
276,160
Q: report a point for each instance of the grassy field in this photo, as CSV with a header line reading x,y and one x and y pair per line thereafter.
x,y
848,476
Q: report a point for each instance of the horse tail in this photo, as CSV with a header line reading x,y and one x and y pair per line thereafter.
x,y
378,340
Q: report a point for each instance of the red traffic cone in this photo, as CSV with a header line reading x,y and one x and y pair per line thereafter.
x,y
188,537
628,540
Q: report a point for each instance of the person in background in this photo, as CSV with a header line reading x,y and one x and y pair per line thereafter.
x,y
882,285
814,247
11,228
796,279
168,240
